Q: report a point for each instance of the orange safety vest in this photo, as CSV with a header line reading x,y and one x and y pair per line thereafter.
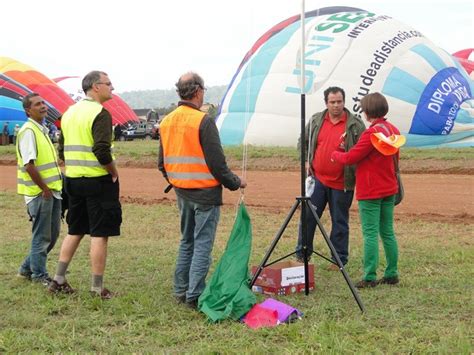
x,y
183,157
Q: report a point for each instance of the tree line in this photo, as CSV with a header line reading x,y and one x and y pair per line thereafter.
x,y
162,100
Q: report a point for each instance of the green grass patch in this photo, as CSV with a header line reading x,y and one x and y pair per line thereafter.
x,y
462,154
431,311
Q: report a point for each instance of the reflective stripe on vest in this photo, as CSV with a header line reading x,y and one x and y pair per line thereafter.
x,y
45,163
76,126
183,156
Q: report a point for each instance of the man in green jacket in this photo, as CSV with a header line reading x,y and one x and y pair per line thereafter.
x,y
332,129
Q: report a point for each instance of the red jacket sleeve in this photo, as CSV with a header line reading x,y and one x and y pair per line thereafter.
x,y
358,152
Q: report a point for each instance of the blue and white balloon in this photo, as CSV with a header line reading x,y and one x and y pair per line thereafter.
x,y
429,93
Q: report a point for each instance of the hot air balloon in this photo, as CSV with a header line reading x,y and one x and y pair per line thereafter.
x,y
11,108
463,57
120,111
429,93
37,82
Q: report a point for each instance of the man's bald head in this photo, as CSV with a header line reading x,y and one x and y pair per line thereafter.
x,y
188,85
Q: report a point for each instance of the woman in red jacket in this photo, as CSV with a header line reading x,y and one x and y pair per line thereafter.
x,y
376,186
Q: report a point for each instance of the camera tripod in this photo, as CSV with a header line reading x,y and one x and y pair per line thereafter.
x,y
305,207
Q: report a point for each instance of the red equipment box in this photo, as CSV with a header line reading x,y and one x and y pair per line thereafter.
x,y
282,278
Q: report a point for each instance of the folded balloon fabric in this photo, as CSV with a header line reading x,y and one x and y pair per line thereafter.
x,y
286,313
270,313
259,317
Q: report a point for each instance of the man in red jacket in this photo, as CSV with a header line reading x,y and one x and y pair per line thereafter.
x,y
334,128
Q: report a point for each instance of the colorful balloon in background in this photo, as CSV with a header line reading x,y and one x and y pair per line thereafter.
x,y
37,82
11,108
430,94
18,79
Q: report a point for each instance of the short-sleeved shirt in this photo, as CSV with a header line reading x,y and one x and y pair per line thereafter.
x,y
27,147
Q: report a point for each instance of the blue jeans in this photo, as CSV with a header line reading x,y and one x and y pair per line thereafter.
x,y
198,230
339,204
46,217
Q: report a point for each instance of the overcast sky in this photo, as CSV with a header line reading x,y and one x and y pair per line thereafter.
x,y
146,44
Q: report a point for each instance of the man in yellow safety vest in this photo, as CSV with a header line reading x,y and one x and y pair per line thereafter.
x,y
39,180
92,182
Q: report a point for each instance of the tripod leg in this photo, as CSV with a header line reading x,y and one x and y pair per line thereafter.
x,y
304,234
274,242
336,256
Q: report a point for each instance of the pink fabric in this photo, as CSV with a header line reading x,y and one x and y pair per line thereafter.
x,y
259,317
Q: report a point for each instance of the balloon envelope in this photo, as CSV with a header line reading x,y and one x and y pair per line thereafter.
x,y
463,57
37,82
430,94
11,107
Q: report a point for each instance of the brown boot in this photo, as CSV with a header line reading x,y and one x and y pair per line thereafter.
x,y
366,284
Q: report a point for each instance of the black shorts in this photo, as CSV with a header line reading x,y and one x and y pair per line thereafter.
x,y
94,206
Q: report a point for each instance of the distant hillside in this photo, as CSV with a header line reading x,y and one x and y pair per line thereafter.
x,y
164,98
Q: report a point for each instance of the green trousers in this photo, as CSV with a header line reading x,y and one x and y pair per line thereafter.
x,y
376,217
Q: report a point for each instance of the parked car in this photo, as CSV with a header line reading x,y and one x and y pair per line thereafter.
x,y
141,130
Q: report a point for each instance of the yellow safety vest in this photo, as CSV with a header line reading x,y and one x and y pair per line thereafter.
x,y
46,163
183,156
76,126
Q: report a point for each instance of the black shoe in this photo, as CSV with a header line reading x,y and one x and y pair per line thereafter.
x,y
300,258
193,304
45,281
24,275
388,281
180,299
366,284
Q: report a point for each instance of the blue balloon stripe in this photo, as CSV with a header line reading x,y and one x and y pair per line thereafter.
x,y
430,56
10,103
10,114
245,96
403,86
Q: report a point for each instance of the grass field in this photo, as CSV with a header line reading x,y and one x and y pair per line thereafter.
x,y
431,311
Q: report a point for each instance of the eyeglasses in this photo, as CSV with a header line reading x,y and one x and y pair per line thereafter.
x,y
108,83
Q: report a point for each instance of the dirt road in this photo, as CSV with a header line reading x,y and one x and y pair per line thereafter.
x,y
429,196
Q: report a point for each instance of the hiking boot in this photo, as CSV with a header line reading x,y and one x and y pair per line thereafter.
x,y
180,299
388,280
366,284
105,294
56,288
193,304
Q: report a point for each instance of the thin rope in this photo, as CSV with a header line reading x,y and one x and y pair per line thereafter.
x,y
247,118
